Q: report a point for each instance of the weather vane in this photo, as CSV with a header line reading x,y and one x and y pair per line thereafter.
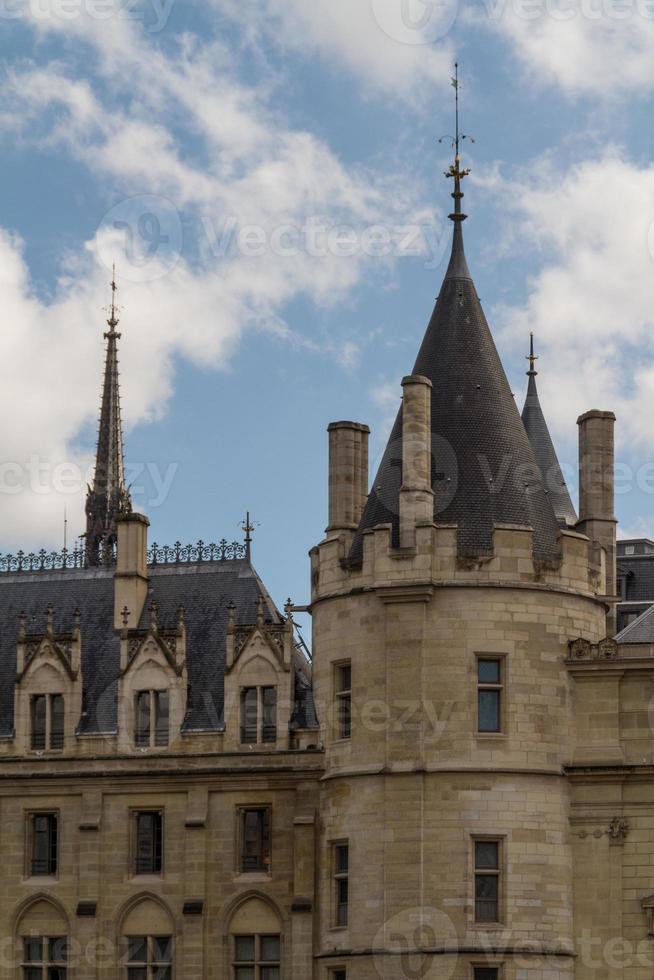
x,y
458,138
531,357
248,526
113,311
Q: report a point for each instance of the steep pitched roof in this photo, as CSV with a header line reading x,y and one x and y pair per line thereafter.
x,y
205,590
544,451
640,631
484,471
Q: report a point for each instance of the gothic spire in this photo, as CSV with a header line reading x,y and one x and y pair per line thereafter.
x,y
108,496
544,451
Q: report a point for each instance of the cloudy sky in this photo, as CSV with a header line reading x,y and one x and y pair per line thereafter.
x,y
267,176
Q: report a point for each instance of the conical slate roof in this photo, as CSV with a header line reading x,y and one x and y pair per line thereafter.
x,y
545,453
484,471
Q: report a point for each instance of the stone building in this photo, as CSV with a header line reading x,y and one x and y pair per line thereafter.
x,y
461,782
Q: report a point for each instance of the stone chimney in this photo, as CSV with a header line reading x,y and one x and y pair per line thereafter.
x,y
348,475
131,577
596,494
416,495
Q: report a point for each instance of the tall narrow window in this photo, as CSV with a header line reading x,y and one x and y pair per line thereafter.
x,y
43,844
343,700
148,845
489,694
258,715
486,973
152,710
149,958
257,958
45,958
255,839
487,880
47,721
341,859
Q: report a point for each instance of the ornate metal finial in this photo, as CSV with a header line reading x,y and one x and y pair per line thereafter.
x,y
531,357
125,614
113,321
248,527
455,170
288,610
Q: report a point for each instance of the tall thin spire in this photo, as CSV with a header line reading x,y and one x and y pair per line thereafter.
x,y
109,495
541,442
458,267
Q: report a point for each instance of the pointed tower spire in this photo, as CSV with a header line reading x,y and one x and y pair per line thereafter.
x,y
108,496
544,451
483,470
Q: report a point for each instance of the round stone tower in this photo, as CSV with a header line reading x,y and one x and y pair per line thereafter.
x,y
444,604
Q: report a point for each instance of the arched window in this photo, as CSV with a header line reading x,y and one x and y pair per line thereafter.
x,y
42,939
147,937
256,942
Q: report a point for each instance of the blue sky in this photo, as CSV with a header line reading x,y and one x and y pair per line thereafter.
x,y
214,149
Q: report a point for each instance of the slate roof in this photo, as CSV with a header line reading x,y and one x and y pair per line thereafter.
x,y
638,571
545,453
205,590
640,631
483,467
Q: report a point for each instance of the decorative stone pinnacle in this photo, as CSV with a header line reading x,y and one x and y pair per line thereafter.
x,y
49,618
125,616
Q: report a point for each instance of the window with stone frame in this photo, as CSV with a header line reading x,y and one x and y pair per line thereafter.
x,y
46,722
488,880
44,958
149,958
152,719
259,715
338,974
343,700
42,844
490,693
257,957
148,842
485,973
255,839
341,883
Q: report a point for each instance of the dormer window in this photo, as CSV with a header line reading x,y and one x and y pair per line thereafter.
x,y
152,713
47,721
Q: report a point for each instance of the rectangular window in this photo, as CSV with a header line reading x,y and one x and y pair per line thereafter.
x,y
338,975
45,958
343,698
43,844
148,849
341,861
269,712
47,721
489,694
149,958
257,958
258,715
255,839
151,715
487,880
486,973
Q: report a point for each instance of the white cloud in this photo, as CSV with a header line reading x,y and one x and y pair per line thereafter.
x,y
591,305
247,166
601,47
398,47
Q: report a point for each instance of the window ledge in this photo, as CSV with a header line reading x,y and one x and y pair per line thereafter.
x,y
486,735
41,880
253,876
